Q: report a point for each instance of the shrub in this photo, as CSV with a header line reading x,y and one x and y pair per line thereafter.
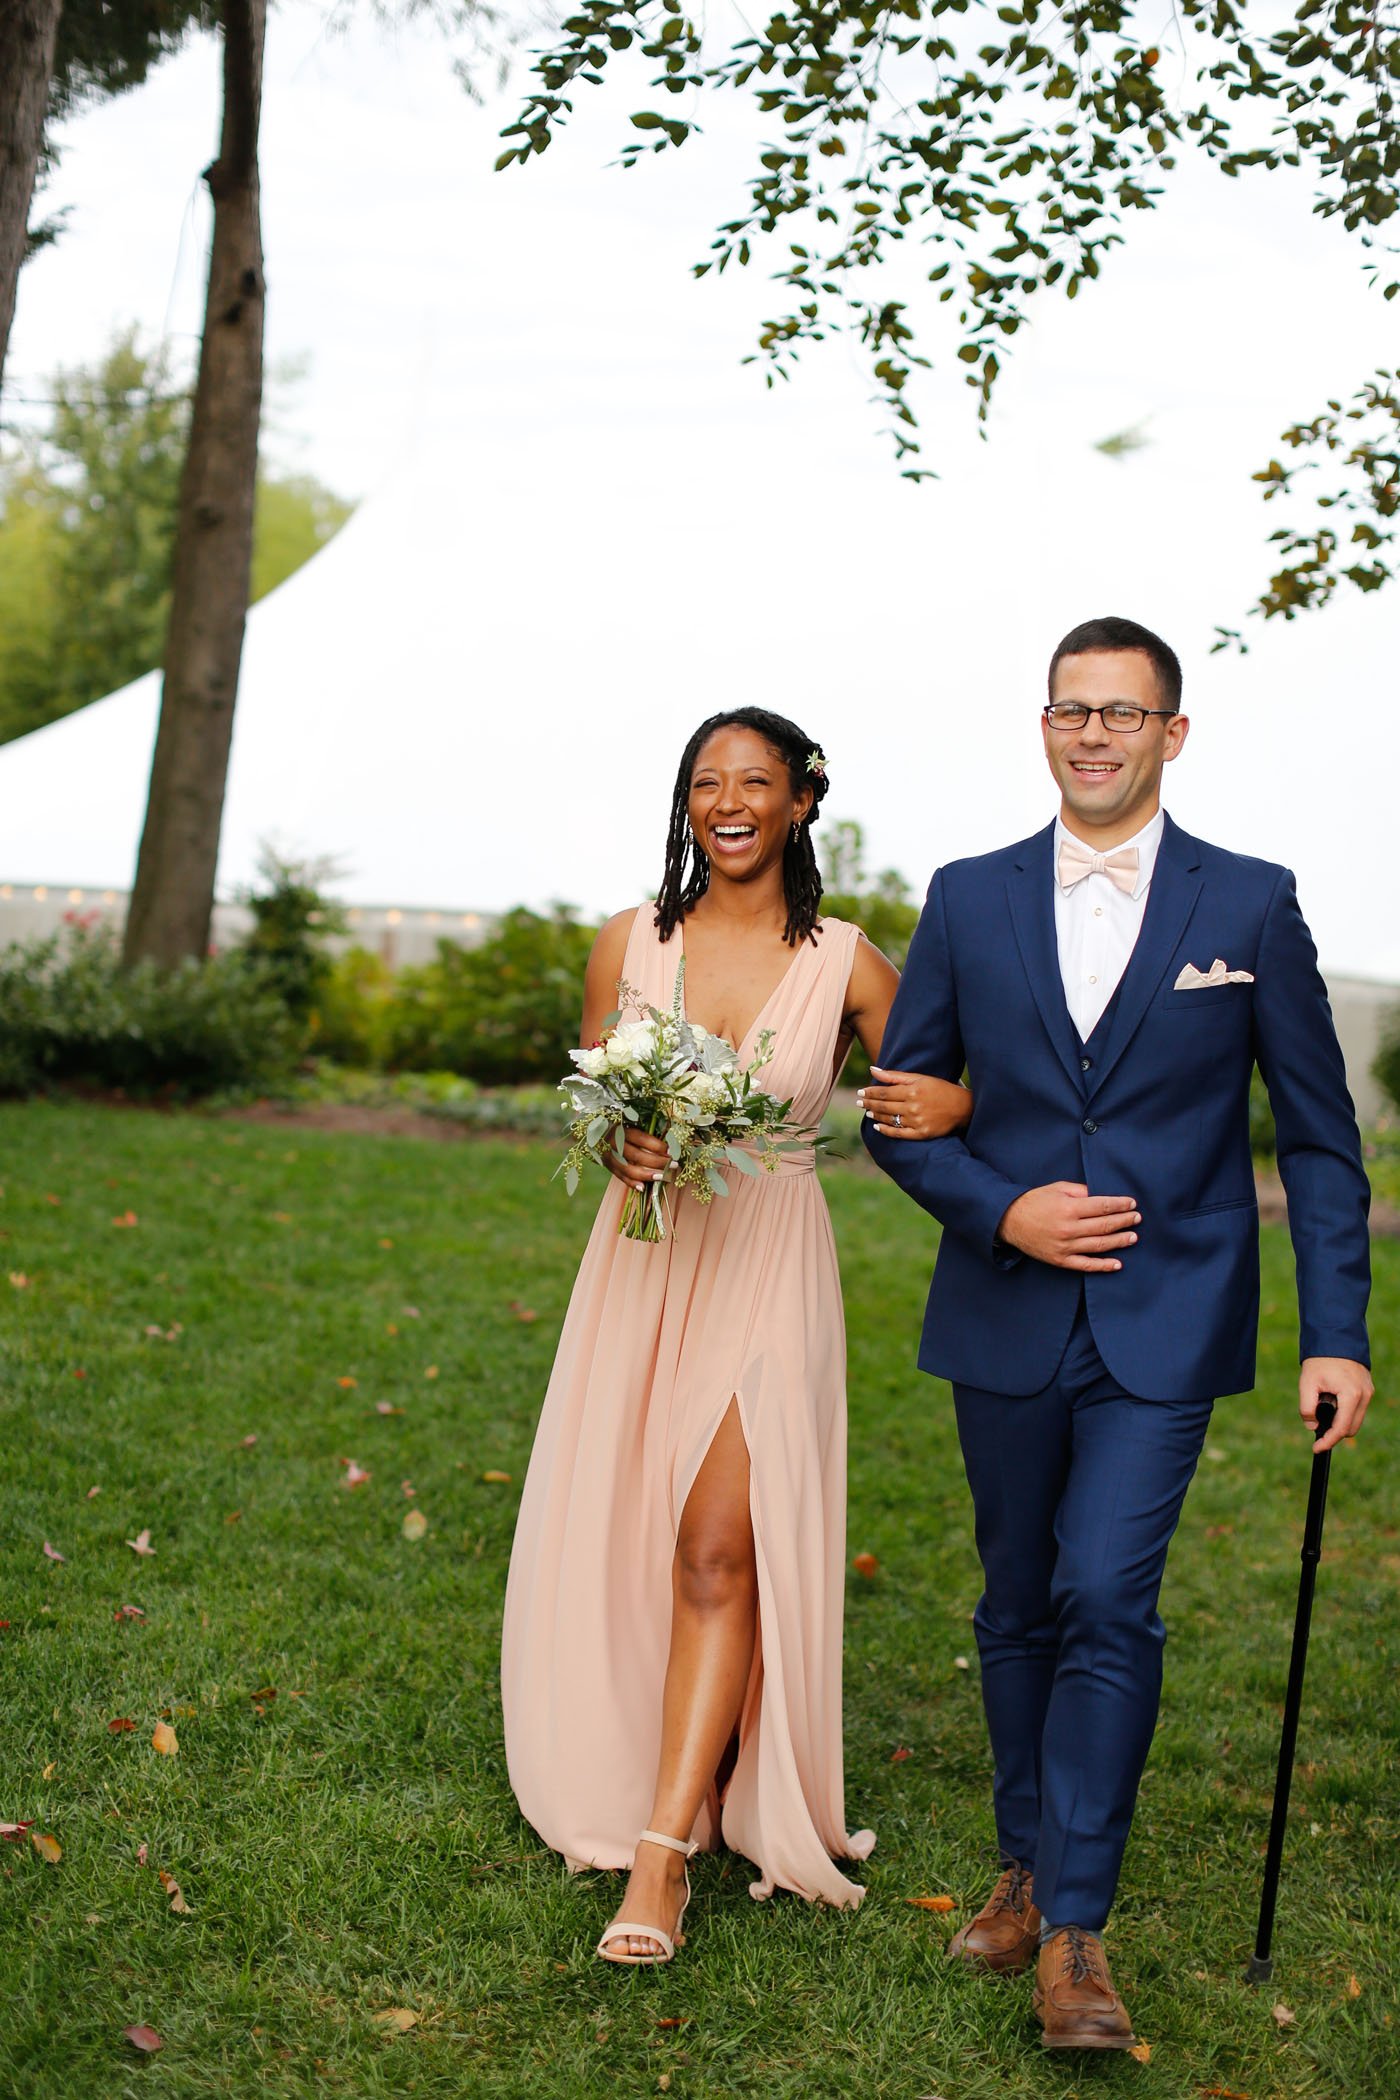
x,y
502,1012
1385,1068
291,921
881,905
69,1012
352,1021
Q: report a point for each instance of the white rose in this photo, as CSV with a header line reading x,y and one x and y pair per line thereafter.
x,y
592,1062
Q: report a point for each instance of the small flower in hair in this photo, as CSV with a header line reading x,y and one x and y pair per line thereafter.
x,y
816,763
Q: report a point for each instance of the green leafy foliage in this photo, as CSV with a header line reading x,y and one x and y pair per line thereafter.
x,y
292,920
1011,146
87,528
70,1014
881,905
1359,441
501,1012
1385,1068
353,1020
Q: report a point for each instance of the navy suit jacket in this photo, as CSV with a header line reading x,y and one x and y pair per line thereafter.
x,y
1162,1116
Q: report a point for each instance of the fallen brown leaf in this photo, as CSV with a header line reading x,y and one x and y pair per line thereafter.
x,y
410,1312
1142,2051
54,1200
164,1740
415,1524
173,1891
1220,2092
931,1902
1353,1987
897,1757
19,1279
234,1516
386,1407
396,2018
128,1611
347,1384
48,1771
408,1488
143,1854
121,1726
14,1832
52,1552
960,1662
391,1328
523,1312
128,1217
355,1475
47,1847
496,1478
865,1564
143,2038
93,1491
675,2020
1284,2016
141,1545
246,1443
431,1372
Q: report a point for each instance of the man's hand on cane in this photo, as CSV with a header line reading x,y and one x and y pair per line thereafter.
x,y
1350,1382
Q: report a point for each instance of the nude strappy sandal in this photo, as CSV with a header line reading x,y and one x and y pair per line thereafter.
x,y
623,1929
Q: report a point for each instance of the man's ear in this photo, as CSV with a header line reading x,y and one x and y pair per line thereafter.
x,y
1178,729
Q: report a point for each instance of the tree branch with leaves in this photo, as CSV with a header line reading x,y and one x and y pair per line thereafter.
x,y
1009,146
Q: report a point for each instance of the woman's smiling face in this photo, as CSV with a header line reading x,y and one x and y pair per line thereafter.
x,y
741,806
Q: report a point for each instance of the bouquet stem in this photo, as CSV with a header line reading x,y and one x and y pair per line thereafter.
x,y
644,1214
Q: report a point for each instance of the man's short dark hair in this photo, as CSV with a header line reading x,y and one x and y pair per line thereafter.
x,y
1092,635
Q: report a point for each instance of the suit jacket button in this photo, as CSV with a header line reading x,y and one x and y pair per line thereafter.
x,y
1090,1125
1086,1064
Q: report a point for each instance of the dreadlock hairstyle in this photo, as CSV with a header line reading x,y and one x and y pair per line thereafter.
x,y
687,874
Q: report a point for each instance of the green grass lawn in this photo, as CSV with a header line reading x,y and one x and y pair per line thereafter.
x,y
350,1845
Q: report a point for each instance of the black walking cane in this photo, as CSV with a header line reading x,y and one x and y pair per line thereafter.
x,y
1261,1962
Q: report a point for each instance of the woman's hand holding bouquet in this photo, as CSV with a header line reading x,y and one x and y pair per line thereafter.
x,y
662,1077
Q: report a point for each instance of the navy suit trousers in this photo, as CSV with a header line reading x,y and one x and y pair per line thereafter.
x,y
1077,1490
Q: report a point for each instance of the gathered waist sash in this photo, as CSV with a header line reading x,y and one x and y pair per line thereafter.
x,y
802,1161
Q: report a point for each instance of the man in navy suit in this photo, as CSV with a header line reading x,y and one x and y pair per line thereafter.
x,y
1109,985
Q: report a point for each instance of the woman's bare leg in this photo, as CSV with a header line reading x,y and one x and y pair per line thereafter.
x,y
714,1622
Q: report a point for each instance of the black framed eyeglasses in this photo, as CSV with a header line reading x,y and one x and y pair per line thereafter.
x,y
1121,716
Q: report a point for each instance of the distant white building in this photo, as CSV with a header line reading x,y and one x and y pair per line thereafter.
x,y
398,933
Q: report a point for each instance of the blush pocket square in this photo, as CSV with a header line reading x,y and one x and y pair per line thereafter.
x,y
1192,979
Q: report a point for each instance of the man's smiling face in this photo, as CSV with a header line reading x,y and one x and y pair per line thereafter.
x,y
1110,784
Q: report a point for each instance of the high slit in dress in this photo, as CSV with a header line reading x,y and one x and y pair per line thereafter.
x,y
741,1303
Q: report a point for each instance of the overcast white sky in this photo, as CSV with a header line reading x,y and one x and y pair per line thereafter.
x,y
586,524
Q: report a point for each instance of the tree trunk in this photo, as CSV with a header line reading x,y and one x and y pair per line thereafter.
x,y
173,895
28,33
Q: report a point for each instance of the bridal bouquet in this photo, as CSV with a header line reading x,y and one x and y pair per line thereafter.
x,y
670,1077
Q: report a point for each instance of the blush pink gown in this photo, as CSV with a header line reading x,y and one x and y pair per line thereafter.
x,y
743,1301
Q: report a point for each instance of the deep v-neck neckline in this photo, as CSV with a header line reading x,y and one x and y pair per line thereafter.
x,y
762,1013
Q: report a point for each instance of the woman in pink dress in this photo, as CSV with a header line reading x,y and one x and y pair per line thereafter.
x,y
671,1653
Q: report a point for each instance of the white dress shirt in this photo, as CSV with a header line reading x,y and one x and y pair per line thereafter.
x,y
1097,925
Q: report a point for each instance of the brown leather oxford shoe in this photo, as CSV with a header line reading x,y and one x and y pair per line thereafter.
x,y
1075,2001
1005,1933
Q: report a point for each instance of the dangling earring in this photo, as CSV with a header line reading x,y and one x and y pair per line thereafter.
x,y
796,833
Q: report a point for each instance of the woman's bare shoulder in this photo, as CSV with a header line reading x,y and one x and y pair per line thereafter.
x,y
610,942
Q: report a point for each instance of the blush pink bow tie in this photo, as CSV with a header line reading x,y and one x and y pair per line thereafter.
x,y
1076,861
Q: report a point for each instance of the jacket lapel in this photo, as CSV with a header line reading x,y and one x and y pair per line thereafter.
x,y
1031,894
1176,884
